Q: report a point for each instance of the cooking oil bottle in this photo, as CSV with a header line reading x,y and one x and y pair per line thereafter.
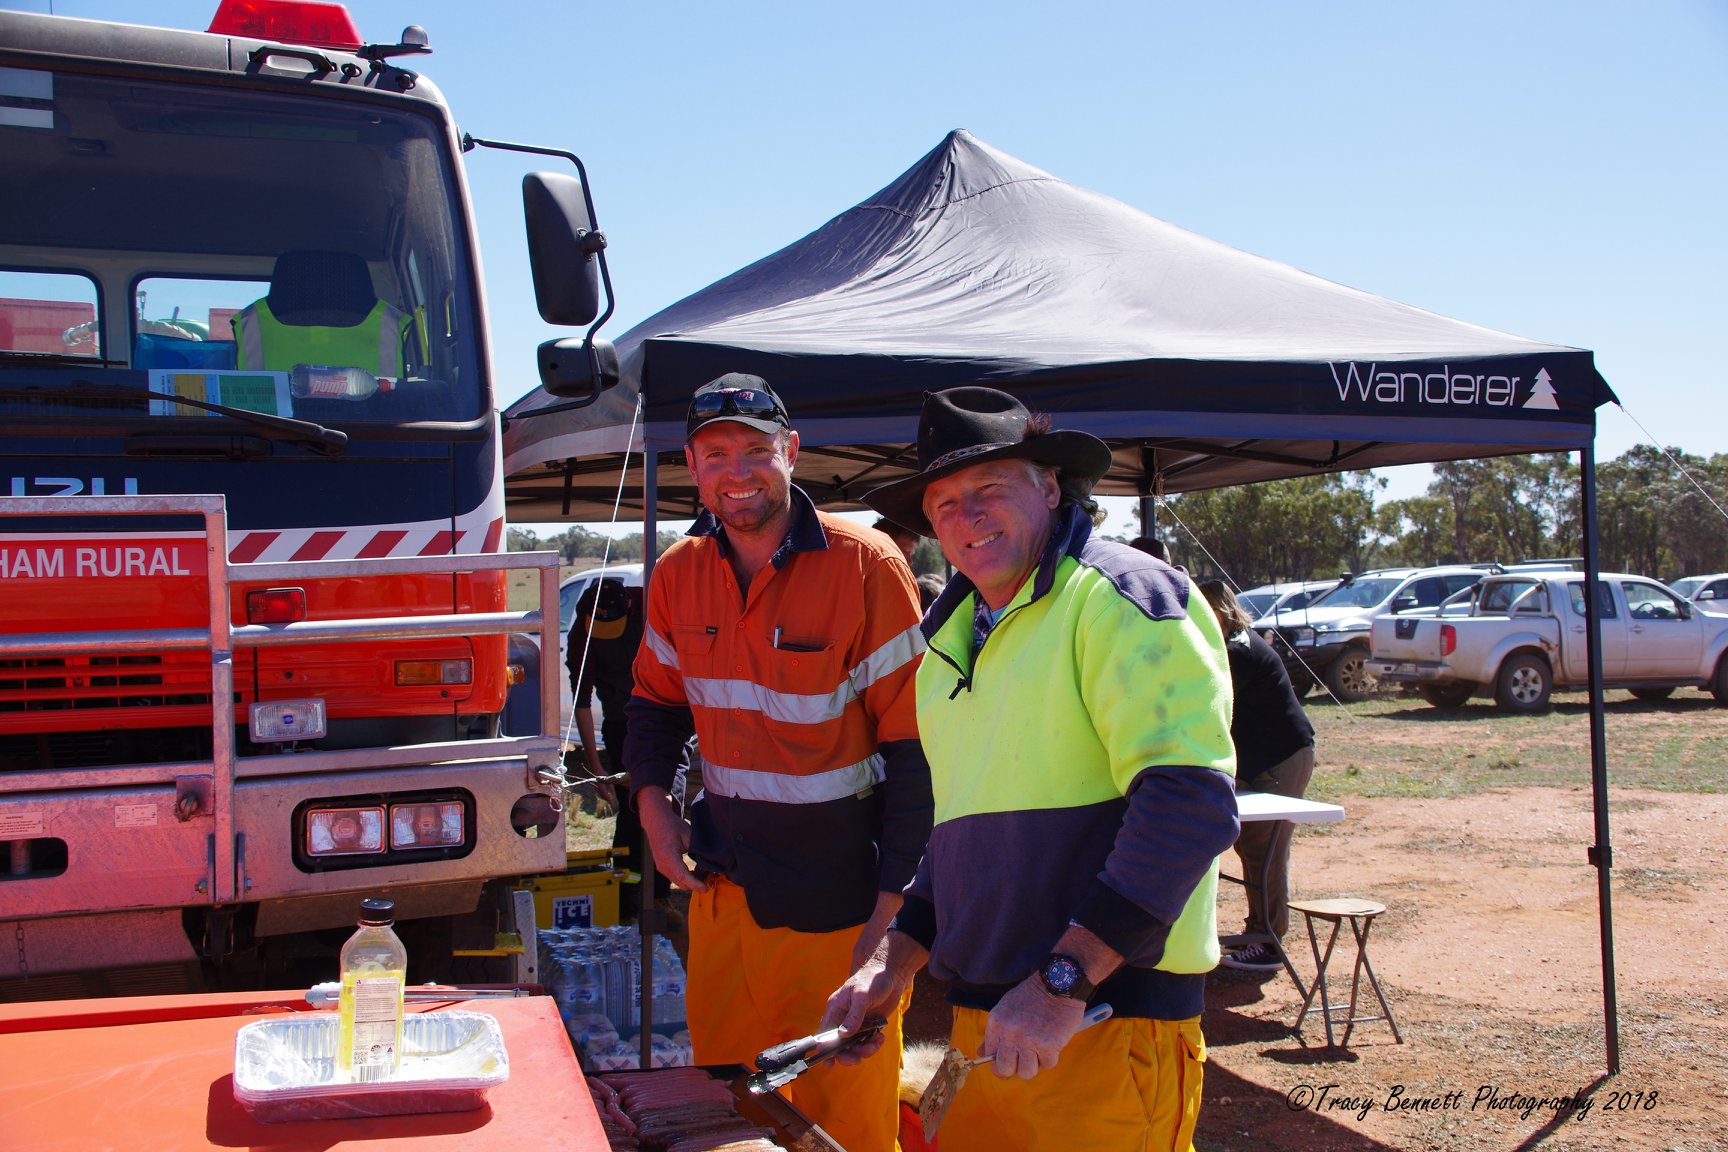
x,y
369,1008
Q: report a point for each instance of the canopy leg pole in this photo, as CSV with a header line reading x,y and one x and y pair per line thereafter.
x,y
1148,515
647,915
1601,852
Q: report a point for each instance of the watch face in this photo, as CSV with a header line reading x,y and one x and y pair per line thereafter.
x,y
1061,976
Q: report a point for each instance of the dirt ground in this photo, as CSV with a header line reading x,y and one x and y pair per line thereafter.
x,y
1490,953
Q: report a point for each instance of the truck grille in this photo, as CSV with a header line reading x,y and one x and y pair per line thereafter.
x,y
52,684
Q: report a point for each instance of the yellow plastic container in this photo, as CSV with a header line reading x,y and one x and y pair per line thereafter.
x,y
585,895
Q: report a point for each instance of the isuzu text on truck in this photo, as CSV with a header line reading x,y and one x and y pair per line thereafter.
x,y
253,622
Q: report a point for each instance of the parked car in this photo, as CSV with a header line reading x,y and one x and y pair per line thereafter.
x,y
570,592
1269,598
1708,592
1327,639
1525,635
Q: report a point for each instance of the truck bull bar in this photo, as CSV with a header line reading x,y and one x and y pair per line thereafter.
x,y
198,783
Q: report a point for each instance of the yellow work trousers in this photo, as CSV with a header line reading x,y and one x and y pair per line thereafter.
x,y
1126,1085
751,988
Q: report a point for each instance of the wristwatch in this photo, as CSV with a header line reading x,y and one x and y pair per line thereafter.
x,y
1063,976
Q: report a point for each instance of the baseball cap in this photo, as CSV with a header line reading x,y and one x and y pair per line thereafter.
x,y
740,398
605,606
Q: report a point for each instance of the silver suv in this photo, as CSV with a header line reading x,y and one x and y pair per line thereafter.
x,y
1327,639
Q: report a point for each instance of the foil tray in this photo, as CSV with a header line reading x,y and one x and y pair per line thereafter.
x,y
285,1068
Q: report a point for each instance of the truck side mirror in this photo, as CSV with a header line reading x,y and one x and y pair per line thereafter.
x,y
563,248
1403,604
577,369
1685,610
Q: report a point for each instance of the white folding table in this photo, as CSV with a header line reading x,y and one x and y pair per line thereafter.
x,y
1290,811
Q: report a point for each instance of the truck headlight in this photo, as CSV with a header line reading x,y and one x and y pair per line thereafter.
x,y
344,831
433,825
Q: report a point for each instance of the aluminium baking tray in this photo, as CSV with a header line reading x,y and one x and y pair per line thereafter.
x,y
285,1068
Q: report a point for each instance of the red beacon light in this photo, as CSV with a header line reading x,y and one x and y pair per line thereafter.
x,y
315,23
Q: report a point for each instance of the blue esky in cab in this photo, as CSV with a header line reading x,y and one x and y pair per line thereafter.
x,y
1553,168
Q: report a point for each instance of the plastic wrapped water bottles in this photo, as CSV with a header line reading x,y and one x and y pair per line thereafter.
x,y
595,975
668,987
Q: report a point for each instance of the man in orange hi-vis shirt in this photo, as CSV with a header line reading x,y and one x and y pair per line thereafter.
x,y
788,640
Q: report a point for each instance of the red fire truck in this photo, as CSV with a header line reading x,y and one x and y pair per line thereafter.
x,y
254,639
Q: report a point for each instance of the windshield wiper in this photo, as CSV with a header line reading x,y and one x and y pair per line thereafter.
x,y
329,441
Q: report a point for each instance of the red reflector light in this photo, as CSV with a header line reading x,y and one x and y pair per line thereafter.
x,y
314,22
1448,639
276,606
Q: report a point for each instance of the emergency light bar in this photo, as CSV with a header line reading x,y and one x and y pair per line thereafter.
x,y
315,23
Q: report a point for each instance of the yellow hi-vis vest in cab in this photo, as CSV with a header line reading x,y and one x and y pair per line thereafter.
x,y
265,344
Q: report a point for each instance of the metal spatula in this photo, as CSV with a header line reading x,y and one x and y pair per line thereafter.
x,y
956,1064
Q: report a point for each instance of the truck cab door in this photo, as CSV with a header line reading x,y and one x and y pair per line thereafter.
x,y
1575,646
1663,636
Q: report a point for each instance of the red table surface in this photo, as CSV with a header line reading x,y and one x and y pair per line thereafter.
x,y
157,1072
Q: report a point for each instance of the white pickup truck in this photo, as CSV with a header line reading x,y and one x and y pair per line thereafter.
x,y
1519,636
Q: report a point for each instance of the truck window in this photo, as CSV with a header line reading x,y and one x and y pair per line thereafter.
x,y
186,323
174,207
52,313
1426,593
1499,598
1648,602
1604,600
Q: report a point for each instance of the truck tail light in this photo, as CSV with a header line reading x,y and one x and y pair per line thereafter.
x,y
1448,639
277,721
421,672
311,22
275,605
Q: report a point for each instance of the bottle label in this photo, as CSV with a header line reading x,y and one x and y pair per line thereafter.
x,y
377,1010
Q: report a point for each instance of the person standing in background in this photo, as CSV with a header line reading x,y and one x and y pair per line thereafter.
x,y
601,657
1274,753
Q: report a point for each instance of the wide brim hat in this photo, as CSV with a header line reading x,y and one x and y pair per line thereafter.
x,y
960,427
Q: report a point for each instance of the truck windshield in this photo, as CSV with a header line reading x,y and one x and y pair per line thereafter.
x,y
295,256
1357,594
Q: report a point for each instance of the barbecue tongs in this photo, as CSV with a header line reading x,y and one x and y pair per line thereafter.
x,y
784,1063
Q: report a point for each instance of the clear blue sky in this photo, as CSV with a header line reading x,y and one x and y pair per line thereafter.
x,y
1553,169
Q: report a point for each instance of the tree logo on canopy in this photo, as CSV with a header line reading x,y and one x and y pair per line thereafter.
x,y
1542,392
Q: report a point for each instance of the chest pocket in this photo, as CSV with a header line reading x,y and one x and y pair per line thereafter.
x,y
695,647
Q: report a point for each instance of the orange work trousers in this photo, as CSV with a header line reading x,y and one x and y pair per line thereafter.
x,y
1126,1085
751,988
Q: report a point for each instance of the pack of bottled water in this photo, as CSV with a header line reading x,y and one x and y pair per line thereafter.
x,y
595,977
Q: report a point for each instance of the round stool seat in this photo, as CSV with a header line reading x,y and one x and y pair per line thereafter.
x,y
1338,908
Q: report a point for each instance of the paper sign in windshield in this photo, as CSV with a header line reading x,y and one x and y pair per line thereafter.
x,y
265,392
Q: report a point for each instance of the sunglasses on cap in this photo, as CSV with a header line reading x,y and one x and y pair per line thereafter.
x,y
751,403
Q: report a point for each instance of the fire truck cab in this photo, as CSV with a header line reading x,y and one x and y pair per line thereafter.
x,y
253,616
